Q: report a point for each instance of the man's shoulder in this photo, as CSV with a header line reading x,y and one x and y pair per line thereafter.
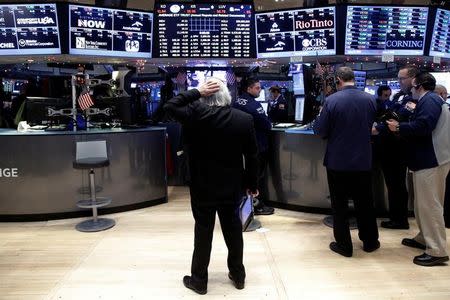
x,y
241,114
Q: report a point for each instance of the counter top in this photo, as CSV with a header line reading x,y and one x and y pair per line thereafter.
x,y
12,132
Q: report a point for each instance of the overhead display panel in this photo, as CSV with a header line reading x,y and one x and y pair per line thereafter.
x,y
378,30
440,41
303,32
216,30
29,29
110,32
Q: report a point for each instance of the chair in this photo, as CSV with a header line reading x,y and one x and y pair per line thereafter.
x,y
91,155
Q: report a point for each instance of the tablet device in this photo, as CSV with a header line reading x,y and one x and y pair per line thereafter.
x,y
246,211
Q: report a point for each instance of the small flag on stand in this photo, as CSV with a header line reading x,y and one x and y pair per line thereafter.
x,y
85,100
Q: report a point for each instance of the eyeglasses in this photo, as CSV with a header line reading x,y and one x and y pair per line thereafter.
x,y
403,78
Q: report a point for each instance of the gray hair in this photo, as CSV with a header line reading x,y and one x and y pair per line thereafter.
x,y
220,98
345,74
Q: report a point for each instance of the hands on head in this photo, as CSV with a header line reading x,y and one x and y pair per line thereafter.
x,y
208,88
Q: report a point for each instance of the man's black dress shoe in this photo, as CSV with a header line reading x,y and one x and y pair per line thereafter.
x,y
429,261
413,244
394,225
338,249
187,283
237,284
370,247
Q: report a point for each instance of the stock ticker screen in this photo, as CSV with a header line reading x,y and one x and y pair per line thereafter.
x,y
440,42
110,32
303,32
204,30
29,29
377,30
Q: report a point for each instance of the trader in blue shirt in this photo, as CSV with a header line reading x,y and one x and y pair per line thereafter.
x,y
345,122
246,102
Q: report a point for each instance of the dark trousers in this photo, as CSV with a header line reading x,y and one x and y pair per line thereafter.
x,y
447,202
232,233
263,160
395,178
345,185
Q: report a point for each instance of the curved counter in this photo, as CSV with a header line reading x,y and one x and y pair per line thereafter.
x,y
297,179
38,182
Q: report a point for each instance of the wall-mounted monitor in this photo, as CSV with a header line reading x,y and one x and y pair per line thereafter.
x,y
110,32
440,40
28,29
360,79
206,30
378,30
303,32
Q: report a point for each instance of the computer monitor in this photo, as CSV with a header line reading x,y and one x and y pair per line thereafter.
x,y
262,96
265,106
299,108
299,84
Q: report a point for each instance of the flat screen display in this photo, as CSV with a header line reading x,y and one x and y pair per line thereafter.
x,y
440,41
215,30
303,32
299,85
378,30
110,32
360,79
299,108
29,29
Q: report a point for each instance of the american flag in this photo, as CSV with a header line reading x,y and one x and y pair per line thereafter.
x,y
181,78
85,100
230,78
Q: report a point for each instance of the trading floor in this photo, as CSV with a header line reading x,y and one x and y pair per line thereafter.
x,y
147,253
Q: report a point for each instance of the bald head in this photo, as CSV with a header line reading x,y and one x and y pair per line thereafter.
x,y
441,91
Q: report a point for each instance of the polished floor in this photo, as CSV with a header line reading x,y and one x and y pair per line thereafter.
x,y
147,253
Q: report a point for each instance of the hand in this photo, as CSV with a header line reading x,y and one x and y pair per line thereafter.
x,y
208,88
392,124
410,105
375,131
253,194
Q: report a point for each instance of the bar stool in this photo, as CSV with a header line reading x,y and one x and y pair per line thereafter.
x,y
91,155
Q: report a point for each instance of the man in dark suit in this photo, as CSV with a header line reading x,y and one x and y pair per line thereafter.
x,y
429,160
346,121
216,138
278,106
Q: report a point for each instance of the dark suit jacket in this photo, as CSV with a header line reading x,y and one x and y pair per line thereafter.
x,y
216,139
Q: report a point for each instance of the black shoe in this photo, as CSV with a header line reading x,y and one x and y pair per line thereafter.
x,y
187,283
429,261
264,210
370,247
338,249
394,225
237,284
413,244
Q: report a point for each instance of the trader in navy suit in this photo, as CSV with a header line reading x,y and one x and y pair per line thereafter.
x,y
393,149
216,139
345,122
